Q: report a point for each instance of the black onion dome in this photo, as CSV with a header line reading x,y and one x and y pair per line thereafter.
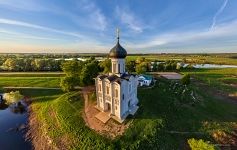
x,y
117,51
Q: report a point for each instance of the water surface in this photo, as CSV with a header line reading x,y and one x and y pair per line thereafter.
x,y
11,137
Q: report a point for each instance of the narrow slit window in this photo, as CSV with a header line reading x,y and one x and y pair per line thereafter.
x,y
114,67
118,68
116,92
107,89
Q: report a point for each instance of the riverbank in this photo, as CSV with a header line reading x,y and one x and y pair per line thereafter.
x,y
38,137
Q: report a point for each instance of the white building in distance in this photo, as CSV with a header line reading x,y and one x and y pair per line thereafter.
x,y
144,80
116,92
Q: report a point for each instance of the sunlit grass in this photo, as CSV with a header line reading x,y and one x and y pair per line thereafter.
x,y
30,81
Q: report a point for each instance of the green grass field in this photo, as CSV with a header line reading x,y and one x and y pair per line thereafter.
x,y
221,79
30,81
160,114
31,74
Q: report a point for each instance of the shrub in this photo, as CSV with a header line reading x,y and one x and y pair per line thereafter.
x,y
12,97
185,79
200,145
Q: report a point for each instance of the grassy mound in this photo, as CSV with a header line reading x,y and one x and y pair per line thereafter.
x,y
62,119
163,121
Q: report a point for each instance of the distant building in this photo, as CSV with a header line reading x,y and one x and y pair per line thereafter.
x,y
117,92
145,80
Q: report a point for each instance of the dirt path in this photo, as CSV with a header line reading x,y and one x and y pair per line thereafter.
x,y
217,94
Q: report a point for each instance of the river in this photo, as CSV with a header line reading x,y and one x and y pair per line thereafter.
x,y
13,129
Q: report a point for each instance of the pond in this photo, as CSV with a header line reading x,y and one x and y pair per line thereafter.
x,y
209,66
13,122
213,66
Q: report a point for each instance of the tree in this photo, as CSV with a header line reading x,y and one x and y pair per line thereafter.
x,y
173,65
130,66
68,83
167,66
141,68
105,65
185,79
160,67
27,64
72,68
38,64
10,64
155,66
89,72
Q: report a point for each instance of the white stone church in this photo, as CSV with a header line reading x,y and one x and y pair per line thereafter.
x,y
116,92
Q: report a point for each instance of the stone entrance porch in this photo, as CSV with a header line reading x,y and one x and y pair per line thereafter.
x,y
103,116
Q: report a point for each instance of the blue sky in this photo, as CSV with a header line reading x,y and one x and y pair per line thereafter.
x,y
146,26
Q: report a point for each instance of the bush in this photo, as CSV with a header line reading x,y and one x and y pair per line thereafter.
x,y
68,83
12,97
185,79
200,145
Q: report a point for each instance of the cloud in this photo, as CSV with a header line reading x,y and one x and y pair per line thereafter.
x,y
94,17
222,34
93,14
220,10
128,18
29,25
24,36
28,5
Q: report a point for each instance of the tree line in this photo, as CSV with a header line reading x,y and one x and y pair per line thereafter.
x,y
31,64
141,65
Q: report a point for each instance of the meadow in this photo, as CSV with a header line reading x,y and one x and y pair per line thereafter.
x,y
49,82
163,121
227,59
224,80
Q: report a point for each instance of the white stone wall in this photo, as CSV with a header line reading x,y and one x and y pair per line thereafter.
x,y
119,104
129,90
